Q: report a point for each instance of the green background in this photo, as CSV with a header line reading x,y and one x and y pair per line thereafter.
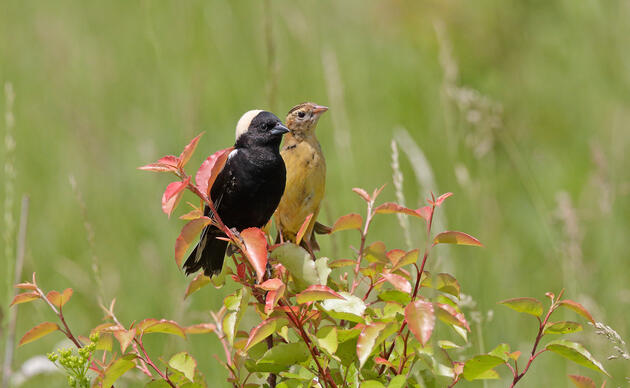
x,y
522,109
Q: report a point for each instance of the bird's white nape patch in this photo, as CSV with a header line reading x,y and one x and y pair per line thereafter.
x,y
244,121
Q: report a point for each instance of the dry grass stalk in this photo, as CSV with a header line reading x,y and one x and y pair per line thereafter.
x,y
397,178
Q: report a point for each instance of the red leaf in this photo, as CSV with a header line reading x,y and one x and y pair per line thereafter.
x,y
187,236
391,207
300,233
398,281
349,221
38,332
441,198
395,255
58,299
197,283
272,299
382,361
271,284
172,195
210,168
125,337
578,308
459,238
362,193
188,151
425,212
24,297
240,270
420,318
166,164
152,325
256,245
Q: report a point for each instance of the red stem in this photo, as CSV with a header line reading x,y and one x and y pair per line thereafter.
x,y
147,359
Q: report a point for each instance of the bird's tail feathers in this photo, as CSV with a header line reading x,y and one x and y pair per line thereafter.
x,y
208,254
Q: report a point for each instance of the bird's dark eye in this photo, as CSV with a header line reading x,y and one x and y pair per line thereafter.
x,y
301,115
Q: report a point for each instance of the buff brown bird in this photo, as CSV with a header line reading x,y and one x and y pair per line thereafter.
x,y
306,175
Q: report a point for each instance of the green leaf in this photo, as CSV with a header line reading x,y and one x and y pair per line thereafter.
x,y
477,367
376,252
576,353
420,319
184,363
395,296
196,284
397,382
38,332
158,384
582,381
347,222
578,308
299,263
316,293
264,329
409,258
524,305
237,305
282,356
562,327
347,351
458,238
502,351
367,341
164,326
117,369
445,344
351,308
371,384
327,339
449,315
446,283
344,335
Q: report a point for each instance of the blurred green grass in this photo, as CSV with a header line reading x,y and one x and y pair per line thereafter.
x,y
104,88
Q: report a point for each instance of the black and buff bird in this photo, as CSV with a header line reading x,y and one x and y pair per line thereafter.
x,y
306,175
247,190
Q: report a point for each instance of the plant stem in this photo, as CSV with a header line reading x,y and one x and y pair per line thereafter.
x,y
147,359
368,220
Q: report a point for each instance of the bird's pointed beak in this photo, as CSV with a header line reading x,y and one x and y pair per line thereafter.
x,y
319,109
279,129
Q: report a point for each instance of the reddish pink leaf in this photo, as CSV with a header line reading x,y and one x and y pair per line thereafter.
x,y
391,207
377,192
210,168
398,281
197,283
200,328
256,245
152,325
38,332
188,151
441,198
362,193
165,164
349,221
271,284
420,318
582,381
58,299
315,293
578,308
187,236
24,297
172,195
459,238
240,270
425,212
382,361
300,233
449,315
26,286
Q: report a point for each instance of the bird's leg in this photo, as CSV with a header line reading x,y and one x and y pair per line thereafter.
x,y
306,244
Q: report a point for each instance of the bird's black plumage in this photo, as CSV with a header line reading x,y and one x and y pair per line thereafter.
x,y
247,190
